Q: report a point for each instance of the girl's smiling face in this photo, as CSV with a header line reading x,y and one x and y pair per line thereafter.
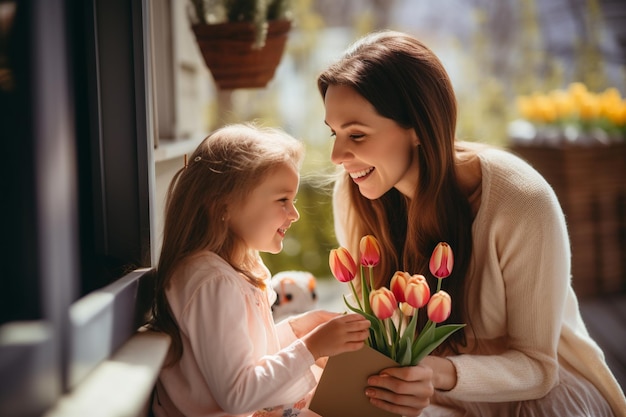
x,y
262,220
377,152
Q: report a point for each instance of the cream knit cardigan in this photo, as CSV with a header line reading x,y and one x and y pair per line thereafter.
x,y
524,312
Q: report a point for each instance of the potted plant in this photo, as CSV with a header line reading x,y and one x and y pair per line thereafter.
x,y
242,41
576,139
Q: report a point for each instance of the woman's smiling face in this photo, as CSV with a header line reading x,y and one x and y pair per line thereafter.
x,y
377,152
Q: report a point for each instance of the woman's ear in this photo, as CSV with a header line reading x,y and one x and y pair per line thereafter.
x,y
414,139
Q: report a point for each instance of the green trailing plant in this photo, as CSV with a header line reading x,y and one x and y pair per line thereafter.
x,y
257,12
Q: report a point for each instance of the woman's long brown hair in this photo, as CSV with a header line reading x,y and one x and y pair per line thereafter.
x,y
221,172
406,82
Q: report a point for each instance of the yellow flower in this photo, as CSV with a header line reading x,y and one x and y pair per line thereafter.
x,y
575,111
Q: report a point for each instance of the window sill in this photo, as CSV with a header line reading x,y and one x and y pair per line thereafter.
x,y
170,149
121,385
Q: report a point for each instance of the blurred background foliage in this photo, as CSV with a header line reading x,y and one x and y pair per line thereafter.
x,y
494,51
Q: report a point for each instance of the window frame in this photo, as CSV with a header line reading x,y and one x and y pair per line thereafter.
x,y
84,185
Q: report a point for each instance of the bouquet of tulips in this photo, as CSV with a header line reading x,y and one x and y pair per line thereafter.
x,y
393,311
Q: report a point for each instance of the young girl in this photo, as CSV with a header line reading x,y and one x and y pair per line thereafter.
x,y
233,199
525,350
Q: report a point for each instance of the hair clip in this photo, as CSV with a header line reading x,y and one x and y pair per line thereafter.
x,y
197,158
185,165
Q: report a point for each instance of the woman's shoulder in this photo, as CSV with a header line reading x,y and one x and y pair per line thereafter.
x,y
501,167
499,170
512,185
496,156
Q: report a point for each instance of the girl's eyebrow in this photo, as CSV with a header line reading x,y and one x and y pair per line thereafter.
x,y
284,190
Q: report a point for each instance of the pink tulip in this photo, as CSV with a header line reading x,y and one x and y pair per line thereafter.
x,y
407,309
383,303
370,251
439,307
342,264
398,285
417,291
441,261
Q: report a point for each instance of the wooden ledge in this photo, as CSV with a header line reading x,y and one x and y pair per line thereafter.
x,y
121,385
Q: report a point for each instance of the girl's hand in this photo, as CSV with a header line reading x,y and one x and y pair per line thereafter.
x,y
344,333
405,391
305,322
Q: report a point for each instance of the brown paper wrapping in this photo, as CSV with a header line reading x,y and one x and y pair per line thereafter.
x,y
341,390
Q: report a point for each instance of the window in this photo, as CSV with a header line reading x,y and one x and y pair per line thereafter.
x,y
75,122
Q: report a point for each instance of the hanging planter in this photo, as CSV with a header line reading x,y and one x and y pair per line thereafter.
x,y
230,54
242,41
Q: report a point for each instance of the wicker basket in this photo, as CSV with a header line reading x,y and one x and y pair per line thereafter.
x,y
590,183
229,55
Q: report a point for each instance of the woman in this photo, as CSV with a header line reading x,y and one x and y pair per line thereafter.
x,y
525,350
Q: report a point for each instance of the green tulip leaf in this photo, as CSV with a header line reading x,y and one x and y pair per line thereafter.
x,y
440,334
404,355
393,333
409,331
424,338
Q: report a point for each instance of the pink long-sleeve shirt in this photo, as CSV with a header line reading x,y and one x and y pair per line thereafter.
x,y
235,360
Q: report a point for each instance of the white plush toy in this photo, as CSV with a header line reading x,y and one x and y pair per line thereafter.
x,y
296,292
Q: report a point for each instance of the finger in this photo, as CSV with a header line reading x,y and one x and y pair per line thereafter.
x,y
350,326
352,317
404,381
411,404
354,346
398,409
358,326
329,314
323,315
409,373
357,336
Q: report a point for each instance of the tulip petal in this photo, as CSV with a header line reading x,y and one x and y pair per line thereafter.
x,y
383,303
342,264
441,260
439,307
369,250
417,291
398,283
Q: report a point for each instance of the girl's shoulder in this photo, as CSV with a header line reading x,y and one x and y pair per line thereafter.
x,y
205,261
205,268
207,278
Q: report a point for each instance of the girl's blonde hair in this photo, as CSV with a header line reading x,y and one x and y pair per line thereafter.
x,y
221,173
